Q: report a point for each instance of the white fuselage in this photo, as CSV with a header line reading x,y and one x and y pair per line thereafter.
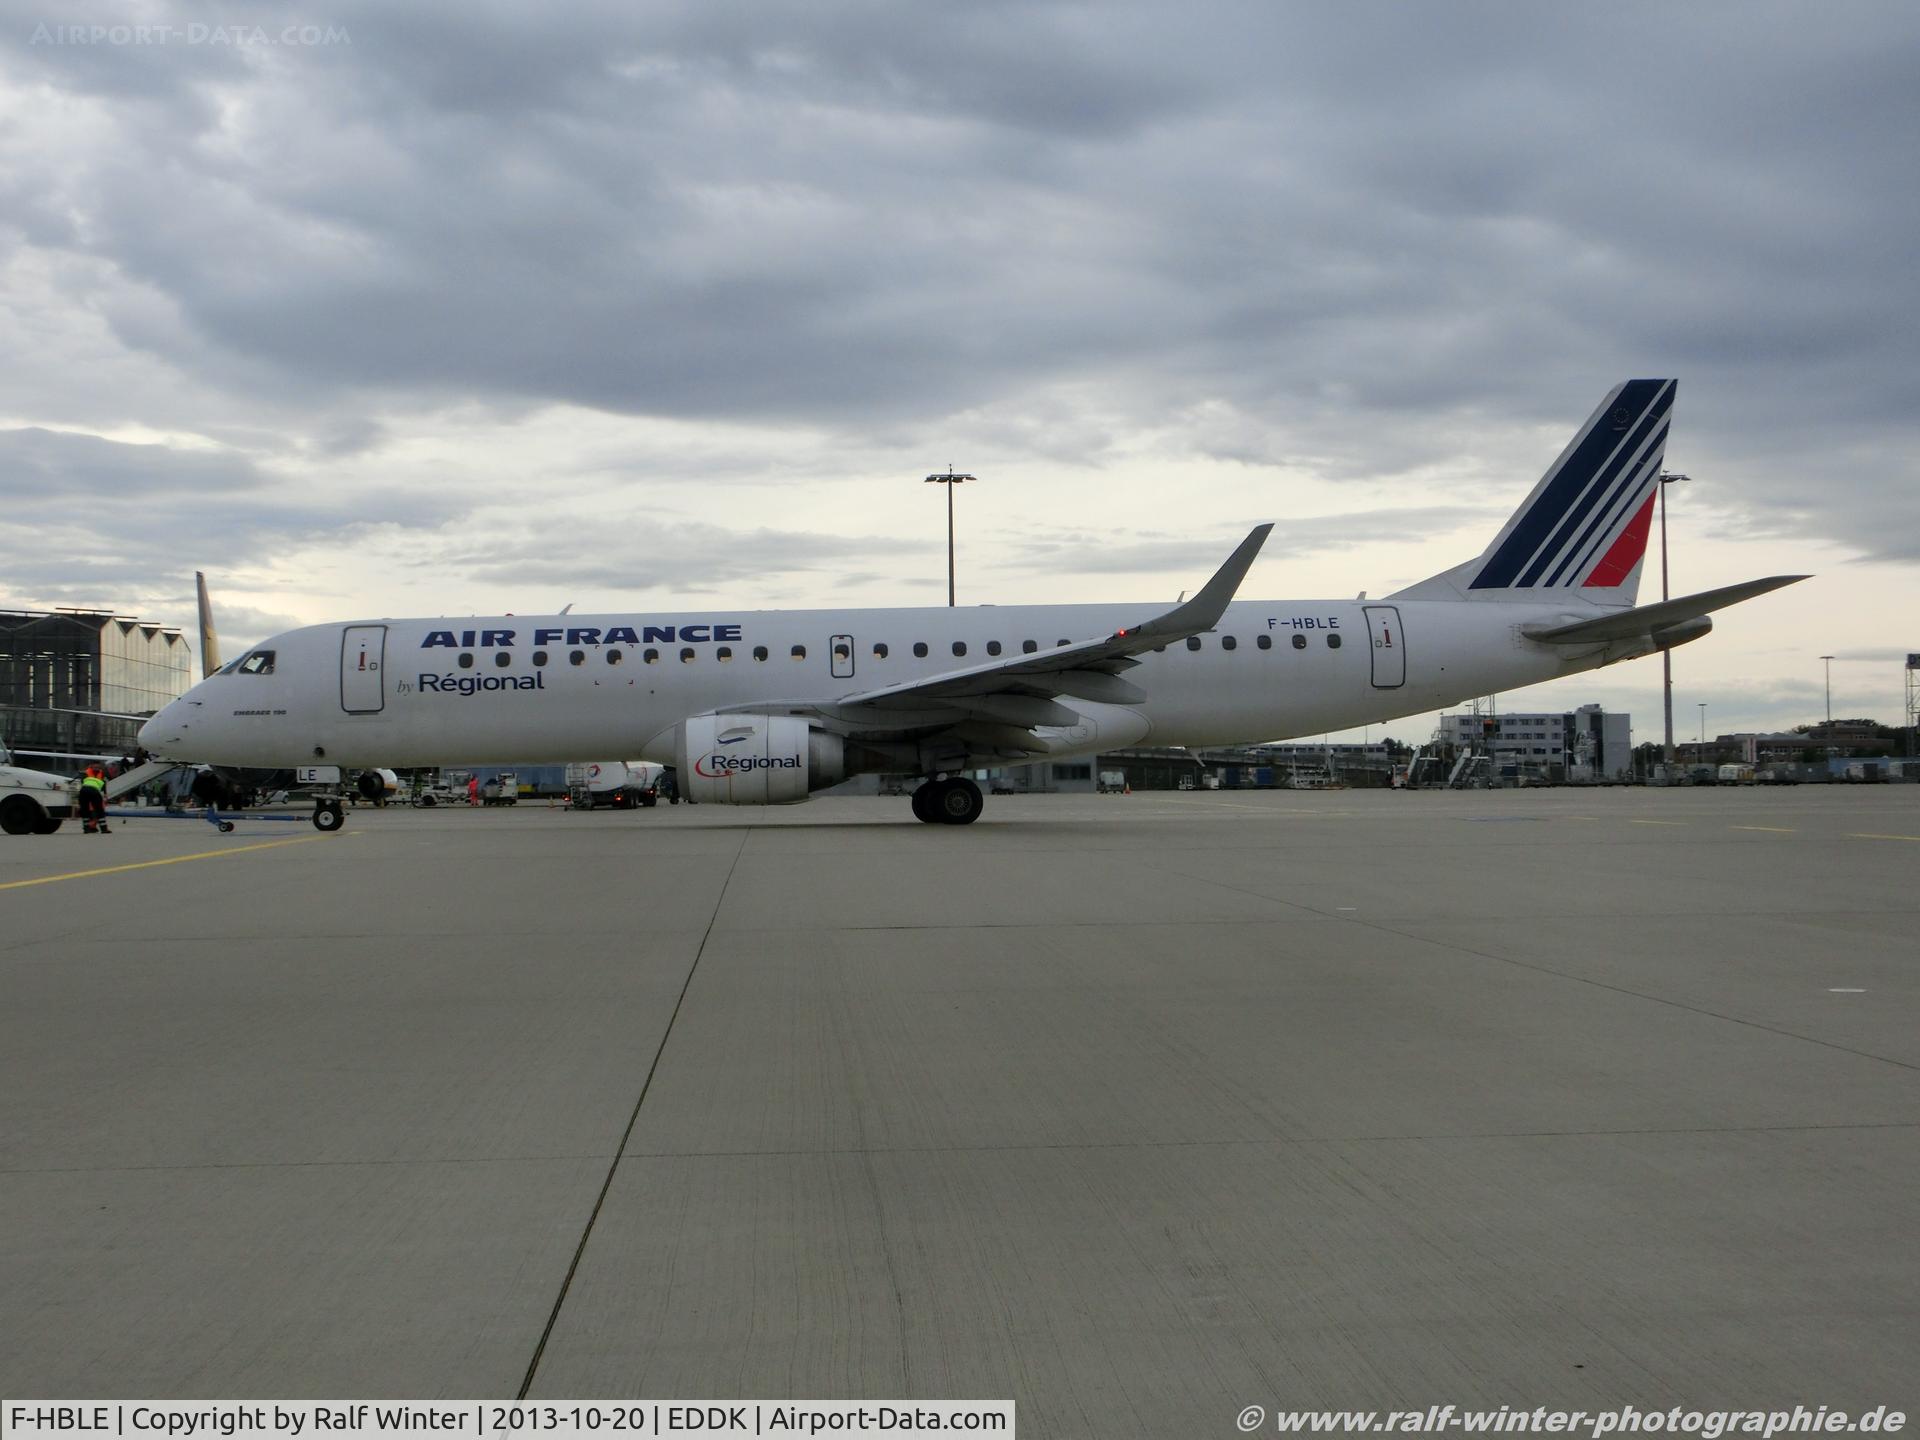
x,y
534,689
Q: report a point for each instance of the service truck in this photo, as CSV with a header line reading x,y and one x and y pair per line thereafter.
x,y
614,784
32,802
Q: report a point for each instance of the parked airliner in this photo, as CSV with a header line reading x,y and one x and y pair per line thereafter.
x,y
765,707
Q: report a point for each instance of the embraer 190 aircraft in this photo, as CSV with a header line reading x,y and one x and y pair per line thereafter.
x,y
765,707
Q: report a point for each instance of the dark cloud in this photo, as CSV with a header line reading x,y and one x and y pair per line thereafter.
x,y
662,554
1361,238
48,467
1130,553
103,522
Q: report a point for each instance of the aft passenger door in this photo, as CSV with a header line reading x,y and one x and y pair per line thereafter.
x,y
1389,648
363,653
840,651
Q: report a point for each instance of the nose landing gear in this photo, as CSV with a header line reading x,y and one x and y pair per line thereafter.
x,y
953,800
328,816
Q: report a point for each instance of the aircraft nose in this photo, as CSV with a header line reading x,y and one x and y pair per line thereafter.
x,y
167,728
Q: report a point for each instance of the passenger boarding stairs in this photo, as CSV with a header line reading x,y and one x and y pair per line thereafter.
x,y
1468,771
127,781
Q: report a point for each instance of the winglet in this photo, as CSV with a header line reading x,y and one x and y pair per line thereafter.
x,y
1203,612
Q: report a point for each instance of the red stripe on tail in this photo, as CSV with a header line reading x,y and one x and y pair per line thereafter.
x,y
1625,552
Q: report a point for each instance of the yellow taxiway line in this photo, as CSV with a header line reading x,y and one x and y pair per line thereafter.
x,y
171,860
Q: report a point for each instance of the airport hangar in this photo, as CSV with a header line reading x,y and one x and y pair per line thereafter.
x,y
78,683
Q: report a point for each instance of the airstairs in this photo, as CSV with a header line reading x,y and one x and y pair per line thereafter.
x,y
127,781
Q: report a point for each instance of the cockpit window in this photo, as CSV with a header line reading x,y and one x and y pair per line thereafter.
x,y
229,667
260,662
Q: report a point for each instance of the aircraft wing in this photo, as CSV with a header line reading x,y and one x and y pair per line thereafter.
x,y
1017,692
1646,619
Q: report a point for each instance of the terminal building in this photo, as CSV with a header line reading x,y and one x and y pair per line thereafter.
x,y
78,683
1585,746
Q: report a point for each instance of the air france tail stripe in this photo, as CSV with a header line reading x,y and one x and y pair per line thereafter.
x,y
1600,495
1570,480
1606,522
1625,553
1600,492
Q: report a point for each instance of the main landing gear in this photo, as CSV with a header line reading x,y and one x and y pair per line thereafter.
x,y
328,816
954,800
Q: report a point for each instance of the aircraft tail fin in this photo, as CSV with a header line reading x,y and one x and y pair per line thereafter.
x,y
209,640
1584,527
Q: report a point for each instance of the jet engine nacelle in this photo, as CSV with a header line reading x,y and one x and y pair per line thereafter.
x,y
755,759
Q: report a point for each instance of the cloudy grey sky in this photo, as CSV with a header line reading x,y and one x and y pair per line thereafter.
x,y
409,309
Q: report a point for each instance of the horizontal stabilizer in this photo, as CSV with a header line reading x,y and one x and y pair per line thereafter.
x,y
1647,619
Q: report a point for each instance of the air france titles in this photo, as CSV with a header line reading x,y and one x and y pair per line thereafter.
x,y
696,634
497,639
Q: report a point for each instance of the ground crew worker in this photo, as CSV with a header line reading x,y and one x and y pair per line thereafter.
x,y
93,801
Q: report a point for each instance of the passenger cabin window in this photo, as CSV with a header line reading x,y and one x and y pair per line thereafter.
x,y
539,657
614,657
1193,642
919,649
1027,647
843,651
576,657
502,659
799,652
1299,641
260,662
686,655
1227,642
650,656
759,652
466,660
723,654
1265,642
880,650
1333,642
1063,642
993,647
959,647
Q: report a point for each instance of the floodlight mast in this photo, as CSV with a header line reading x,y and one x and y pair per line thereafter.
x,y
950,479
1667,477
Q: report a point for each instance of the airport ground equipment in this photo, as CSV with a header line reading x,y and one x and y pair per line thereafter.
x,y
128,781
32,802
209,815
614,784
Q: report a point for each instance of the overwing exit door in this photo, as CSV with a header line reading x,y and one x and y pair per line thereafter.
x,y
1389,647
363,654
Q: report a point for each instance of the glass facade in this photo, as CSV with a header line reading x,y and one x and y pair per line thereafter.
x,y
68,679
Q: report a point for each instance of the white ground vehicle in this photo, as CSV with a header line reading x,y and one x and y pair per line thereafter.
x,y
614,784
32,802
